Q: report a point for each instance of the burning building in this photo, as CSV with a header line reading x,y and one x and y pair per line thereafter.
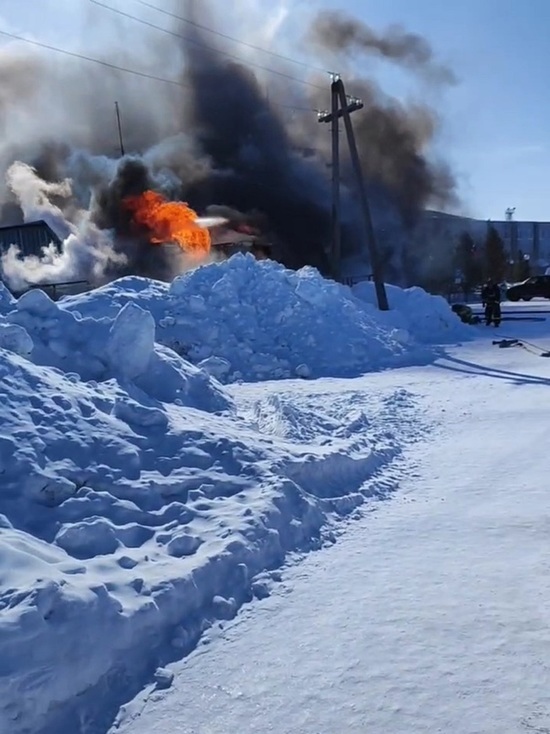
x,y
209,157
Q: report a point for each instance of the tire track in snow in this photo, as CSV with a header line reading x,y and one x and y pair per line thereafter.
x,y
340,444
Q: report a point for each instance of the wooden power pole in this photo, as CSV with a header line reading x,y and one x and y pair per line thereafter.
x,y
343,107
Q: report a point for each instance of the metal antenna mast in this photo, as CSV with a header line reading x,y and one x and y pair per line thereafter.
x,y
119,125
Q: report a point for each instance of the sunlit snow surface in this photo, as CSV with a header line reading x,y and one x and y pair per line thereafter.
x,y
141,499
430,613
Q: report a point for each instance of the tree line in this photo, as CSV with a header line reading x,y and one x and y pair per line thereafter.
x,y
468,264
474,264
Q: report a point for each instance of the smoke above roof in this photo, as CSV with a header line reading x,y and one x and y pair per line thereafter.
x,y
221,132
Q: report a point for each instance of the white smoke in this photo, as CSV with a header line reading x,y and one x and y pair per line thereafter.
x,y
84,256
86,253
77,129
34,196
58,116
210,222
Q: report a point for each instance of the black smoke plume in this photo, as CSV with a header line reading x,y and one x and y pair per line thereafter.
x,y
254,164
335,31
216,141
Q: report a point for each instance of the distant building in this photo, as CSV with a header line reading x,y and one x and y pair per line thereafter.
x,y
520,237
449,227
30,238
526,238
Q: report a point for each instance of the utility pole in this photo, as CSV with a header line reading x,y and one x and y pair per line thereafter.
x,y
336,228
119,125
343,107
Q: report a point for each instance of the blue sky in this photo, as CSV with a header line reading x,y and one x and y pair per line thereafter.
x,y
495,124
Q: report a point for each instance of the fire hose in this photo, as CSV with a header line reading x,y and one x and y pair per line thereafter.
x,y
535,349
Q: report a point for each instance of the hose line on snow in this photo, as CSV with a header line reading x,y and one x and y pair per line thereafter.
x,y
511,341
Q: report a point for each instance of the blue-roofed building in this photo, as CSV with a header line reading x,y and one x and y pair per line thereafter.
x,y
30,238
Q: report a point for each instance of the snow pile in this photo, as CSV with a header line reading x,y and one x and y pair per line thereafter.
x,y
250,320
128,526
428,319
141,500
104,348
60,434
267,322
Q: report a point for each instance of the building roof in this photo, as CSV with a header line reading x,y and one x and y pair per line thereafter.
x,y
30,237
435,214
29,226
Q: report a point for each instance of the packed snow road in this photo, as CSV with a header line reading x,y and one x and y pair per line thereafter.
x,y
430,614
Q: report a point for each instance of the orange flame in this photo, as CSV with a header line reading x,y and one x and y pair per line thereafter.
x,y
169,221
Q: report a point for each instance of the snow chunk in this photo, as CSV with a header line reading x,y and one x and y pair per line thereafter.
x,y
224,608
135,414
302,370
183,545
36,301
163,678
99,348
131,341
7,301
95,537
216,367
15,339
260,589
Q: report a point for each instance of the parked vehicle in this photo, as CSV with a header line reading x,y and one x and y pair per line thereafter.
x,y
536,287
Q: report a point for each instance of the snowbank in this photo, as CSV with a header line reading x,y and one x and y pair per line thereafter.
x,y
141,500
428,319
127,528
103,348
250,320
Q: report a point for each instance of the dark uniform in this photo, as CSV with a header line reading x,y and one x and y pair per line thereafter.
x,y
490,297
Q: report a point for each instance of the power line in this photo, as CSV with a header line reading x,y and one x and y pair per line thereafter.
x,y
294,108
232,38
205,46
75,55
126,70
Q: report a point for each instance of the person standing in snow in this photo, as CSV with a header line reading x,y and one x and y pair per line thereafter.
x,y
490,297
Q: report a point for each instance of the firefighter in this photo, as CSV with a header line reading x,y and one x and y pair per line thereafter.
x,y
490,297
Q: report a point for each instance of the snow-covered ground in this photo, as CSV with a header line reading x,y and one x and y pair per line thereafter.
x,y
141,499
430,614
143,503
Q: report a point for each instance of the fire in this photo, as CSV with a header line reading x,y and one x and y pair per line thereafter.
x,y
244,228
169,221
